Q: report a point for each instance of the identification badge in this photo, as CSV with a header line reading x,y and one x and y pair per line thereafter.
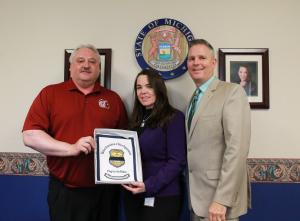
x,y
149,201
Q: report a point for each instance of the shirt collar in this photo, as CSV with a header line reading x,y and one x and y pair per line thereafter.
x,y
71,86
204,86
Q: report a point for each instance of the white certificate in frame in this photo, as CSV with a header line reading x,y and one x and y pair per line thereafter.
x,y
117,156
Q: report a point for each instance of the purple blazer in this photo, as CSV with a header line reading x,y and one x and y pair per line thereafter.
x,y
163,153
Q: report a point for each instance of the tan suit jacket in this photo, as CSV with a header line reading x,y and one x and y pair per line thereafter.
x,y
218,144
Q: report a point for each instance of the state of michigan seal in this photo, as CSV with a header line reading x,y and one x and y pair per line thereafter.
x,y
163,45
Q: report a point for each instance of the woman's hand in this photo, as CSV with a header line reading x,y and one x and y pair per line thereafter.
x,y
135,187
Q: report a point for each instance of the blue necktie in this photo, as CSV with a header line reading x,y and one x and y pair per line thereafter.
x,y
193,106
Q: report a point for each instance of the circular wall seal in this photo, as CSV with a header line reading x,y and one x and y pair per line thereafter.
x,y
163,45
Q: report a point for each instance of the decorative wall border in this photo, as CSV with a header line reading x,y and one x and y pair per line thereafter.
x,y
274,170
261,170
25,164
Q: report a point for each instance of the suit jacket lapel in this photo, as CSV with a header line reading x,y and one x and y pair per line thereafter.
x,y
203,103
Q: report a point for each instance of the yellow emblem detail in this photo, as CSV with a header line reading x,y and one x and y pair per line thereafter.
x,y
116,157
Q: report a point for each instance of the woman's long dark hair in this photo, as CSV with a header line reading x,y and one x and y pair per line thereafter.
x,y
162,111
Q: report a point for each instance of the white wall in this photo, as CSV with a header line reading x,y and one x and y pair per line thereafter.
x,y
34,34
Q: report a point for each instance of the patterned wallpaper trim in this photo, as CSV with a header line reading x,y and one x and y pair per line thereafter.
x,y
261,170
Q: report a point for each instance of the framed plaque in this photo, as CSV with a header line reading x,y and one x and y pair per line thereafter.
x,y
117,156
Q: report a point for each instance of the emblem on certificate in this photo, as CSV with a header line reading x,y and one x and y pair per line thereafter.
x,y
117,156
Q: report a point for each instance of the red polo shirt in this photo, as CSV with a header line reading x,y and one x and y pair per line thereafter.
x,y
66,114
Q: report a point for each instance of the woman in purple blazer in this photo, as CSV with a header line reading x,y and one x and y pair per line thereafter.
x,y
161,130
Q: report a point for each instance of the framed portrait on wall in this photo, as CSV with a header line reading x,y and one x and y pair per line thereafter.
x,y
105,71
248,67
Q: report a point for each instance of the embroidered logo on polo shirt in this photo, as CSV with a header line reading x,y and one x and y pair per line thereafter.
x,y
103,104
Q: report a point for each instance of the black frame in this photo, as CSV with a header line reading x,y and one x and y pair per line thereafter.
x,y
264,53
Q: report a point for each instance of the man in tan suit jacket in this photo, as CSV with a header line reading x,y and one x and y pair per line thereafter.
x,y
218,139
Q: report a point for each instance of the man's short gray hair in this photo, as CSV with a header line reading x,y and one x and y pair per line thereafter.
x,y
89,46
202,42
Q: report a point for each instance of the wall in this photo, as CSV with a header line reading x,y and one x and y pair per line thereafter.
x,y
35,33
29,200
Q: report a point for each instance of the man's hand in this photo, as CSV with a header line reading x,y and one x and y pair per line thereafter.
x,y
84,144
217,212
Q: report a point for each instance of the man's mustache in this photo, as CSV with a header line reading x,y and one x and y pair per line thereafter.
x,y
85,70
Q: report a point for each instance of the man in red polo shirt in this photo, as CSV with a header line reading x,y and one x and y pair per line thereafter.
x,y
60,124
